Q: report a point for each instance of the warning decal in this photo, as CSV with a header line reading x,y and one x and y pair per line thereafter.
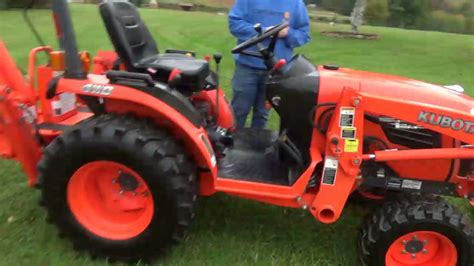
x,y
65,103
330,171
347,117
351,145
348,132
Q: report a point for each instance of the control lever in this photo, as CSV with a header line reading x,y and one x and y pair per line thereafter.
x,y
175,81
258,28
175,78
217,59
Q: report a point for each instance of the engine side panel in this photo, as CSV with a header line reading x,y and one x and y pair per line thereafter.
x,y
334,81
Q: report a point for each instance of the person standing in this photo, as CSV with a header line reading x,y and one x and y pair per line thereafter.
x,y
250,72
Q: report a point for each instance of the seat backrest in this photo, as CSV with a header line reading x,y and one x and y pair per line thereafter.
x,y
131,38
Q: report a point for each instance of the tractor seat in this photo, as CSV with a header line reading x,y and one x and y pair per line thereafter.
x,y
165,63
138,51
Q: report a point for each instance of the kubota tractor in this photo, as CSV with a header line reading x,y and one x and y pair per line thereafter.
x,y
122,154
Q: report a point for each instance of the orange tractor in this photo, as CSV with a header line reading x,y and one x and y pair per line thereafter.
x,y
122,154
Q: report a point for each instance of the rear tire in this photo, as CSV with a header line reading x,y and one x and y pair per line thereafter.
x,y
151,155
398,233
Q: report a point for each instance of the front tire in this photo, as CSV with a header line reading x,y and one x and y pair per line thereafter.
x,y
119,188
419,231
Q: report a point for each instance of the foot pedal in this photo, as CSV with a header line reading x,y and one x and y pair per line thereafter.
x,y
290,149
220,140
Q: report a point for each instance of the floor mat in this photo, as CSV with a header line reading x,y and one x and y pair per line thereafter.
x,y
254,157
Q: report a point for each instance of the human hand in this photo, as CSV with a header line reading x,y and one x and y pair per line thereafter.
x,y
284,32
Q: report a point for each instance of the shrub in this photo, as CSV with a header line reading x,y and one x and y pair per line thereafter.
x,y
442,21
24,3
470,24
377,12
3,4
343,7
408,13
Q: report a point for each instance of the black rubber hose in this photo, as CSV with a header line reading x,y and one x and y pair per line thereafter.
x,y
313,112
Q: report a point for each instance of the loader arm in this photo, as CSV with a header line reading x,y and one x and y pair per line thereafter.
x,y
17,118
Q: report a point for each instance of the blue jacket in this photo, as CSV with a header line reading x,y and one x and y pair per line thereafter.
x,y
246,13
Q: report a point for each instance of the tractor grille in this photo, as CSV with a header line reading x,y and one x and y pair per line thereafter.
x,y
409,135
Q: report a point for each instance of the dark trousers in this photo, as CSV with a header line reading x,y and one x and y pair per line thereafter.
x,y
249,94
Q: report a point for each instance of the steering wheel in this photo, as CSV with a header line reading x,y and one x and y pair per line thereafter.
x,y
264,52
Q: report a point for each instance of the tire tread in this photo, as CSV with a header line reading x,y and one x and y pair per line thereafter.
x,y
148,141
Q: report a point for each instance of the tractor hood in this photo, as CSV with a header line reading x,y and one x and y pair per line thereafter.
x,y
399,87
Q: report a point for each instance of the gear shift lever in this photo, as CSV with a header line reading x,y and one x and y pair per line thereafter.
x,y
217,59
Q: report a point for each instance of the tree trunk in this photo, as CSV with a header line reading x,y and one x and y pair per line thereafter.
x,y
357,15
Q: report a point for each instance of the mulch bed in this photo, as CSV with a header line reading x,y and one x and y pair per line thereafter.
x,y
351,35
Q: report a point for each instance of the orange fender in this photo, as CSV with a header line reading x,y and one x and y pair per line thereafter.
x,y
124,100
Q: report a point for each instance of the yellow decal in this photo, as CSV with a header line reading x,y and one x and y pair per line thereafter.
x,y
351,145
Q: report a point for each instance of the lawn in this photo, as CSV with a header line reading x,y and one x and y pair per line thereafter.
x,y
227,230
212,3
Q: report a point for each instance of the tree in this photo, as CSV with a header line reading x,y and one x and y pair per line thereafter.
x,y
343,7
407,13
357,15
377,12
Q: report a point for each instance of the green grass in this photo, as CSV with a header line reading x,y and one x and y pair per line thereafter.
x,y
227,230
211,3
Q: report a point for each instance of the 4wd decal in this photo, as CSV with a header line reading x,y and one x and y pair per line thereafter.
x,y
445,121
98,89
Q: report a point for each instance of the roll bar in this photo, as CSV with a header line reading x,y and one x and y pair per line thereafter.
x,y
67,39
